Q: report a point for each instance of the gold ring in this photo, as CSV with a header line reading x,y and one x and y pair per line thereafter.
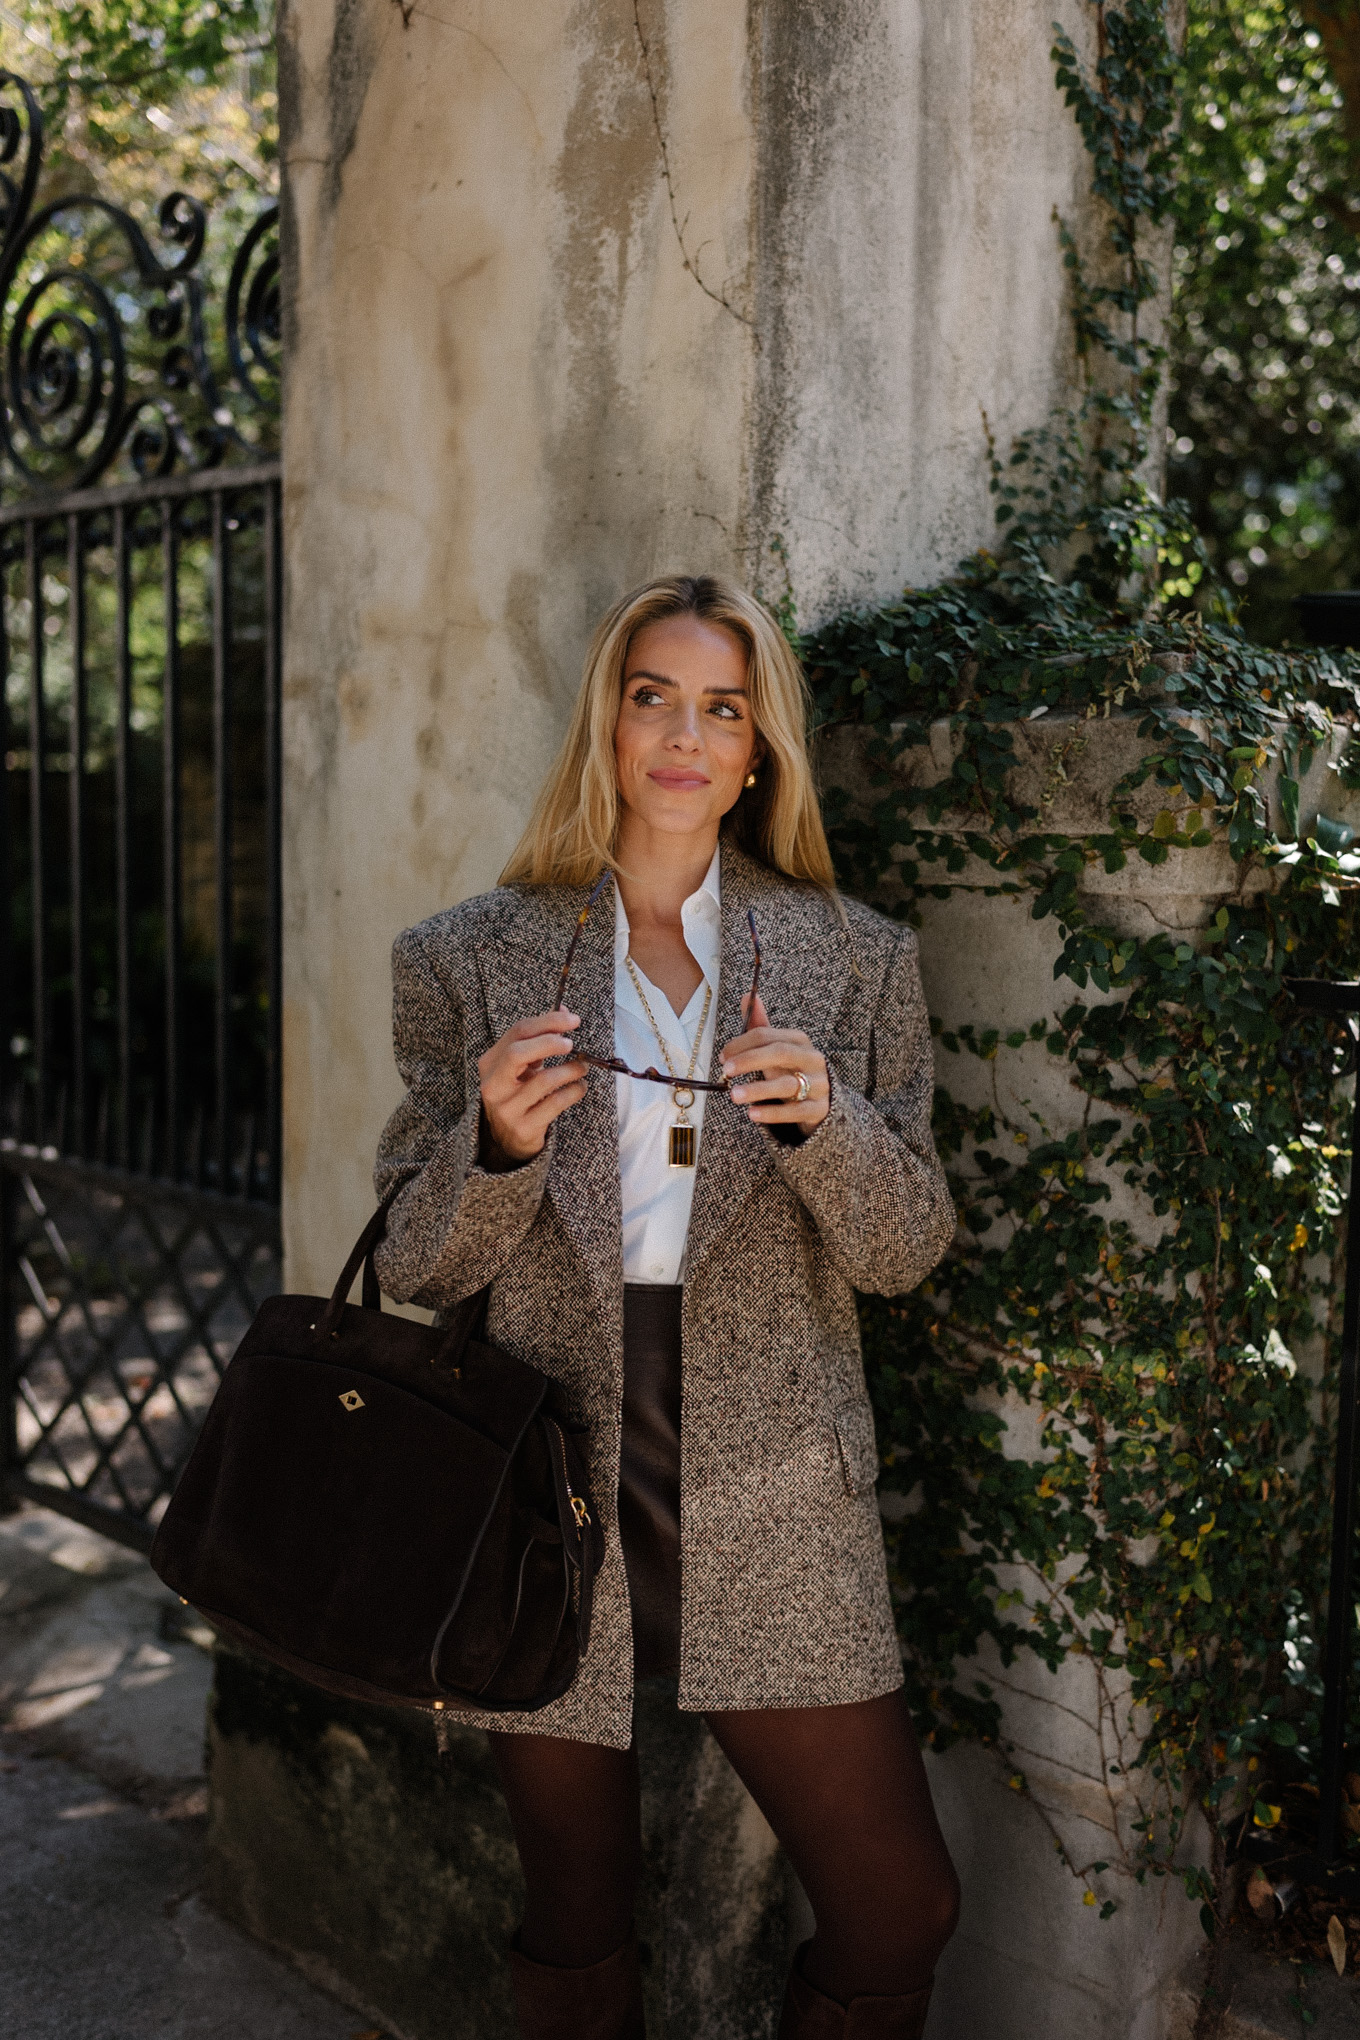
x,y
684,1098
804,1089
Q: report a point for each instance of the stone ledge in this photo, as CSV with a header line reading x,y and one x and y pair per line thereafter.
x,y
388,1875
1258,1997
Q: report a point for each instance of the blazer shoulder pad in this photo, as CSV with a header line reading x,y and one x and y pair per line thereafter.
x,y
485,914
876,933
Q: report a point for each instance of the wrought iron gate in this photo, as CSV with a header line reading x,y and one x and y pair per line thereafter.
x,y
139,831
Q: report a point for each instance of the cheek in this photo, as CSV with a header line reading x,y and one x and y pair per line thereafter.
x,y
734,750
626,747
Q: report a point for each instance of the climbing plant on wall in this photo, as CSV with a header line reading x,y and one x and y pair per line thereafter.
x,y
1170,1529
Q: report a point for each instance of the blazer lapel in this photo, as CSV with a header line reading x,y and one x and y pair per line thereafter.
x,y
804,967
521,977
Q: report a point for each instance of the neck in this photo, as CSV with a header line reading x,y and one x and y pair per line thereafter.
x,y
662,871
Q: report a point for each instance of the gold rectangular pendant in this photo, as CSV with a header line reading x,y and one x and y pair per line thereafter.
x,y
682,1147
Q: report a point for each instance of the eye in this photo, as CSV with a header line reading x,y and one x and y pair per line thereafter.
x,y
646,696
728,710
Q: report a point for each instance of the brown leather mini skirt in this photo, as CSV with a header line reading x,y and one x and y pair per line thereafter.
x,y
649,1474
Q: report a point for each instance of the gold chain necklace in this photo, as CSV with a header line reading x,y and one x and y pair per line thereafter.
x,y
683,1133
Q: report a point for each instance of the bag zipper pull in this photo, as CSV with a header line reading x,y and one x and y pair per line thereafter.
x,y
578,1507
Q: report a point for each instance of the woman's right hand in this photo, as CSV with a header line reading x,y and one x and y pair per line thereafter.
x,y
521,1099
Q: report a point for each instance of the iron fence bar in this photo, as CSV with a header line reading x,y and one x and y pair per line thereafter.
x,y
80,990
37,882
273,737
197,482
1340,1001
123,1529
222,831
171,867
8,1013
9,1341
123,828
22,1158
1340,1609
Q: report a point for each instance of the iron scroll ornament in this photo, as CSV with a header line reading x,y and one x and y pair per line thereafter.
x,y
105,344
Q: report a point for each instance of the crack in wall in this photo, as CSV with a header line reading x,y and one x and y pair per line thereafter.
x,y
689,261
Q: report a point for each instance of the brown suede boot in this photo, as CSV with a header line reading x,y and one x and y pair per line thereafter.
x,y
807,2015
603,2002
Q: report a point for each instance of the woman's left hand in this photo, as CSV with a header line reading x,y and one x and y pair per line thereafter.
x,y
782,1055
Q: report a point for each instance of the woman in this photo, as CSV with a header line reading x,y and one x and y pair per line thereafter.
x,y
683,1263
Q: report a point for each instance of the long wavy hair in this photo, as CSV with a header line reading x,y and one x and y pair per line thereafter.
x,y
573,830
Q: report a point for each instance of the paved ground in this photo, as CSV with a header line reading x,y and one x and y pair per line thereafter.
x,y
102,1810
102,1802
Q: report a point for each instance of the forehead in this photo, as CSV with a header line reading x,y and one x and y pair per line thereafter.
x,y
688,649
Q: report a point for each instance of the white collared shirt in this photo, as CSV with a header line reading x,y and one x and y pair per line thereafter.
x,y
656,1197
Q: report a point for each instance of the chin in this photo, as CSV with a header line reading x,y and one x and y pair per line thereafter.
x,y
675,818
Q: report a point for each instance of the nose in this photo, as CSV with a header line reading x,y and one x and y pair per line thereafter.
x,y
685,730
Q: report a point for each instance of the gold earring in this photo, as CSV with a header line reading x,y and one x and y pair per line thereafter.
x,y
750,779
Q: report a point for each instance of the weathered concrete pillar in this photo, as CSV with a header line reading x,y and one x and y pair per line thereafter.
x,y
1030,1960
575,294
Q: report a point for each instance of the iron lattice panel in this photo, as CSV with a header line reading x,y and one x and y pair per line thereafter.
x,y
127,1298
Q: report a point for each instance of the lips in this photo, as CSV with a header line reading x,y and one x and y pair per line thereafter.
x,y
678,780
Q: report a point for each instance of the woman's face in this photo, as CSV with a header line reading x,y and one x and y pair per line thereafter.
x,y
685,738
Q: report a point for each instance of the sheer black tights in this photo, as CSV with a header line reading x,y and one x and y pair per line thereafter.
x,y
844,1790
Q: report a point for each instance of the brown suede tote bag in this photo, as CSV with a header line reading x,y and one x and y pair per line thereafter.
x,y
395,1512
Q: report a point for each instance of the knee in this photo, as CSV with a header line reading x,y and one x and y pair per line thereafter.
x,y
925,1916
941,1909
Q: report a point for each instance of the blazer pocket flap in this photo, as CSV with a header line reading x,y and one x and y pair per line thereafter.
x,y
854,1423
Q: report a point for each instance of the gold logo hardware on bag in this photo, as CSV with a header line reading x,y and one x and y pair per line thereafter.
x,y
352,1399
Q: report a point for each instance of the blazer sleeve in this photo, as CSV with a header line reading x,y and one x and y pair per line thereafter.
x,y
869,1174
453,1225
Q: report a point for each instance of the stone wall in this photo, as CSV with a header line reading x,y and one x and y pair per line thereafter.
x,y
580,293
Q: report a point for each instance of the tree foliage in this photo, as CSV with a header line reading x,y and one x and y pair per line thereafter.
x,y
144,96
1265,385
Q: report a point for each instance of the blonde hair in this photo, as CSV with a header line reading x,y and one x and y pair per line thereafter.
x,y
574,826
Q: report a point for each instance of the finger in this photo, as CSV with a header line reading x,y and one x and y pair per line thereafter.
x,y
517,1056
780,1088
532,1089
516,1049
775,1055
541,1023
541,1117
759,1037
524,1126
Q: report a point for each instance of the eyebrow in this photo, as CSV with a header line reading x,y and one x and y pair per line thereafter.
x,y
663,680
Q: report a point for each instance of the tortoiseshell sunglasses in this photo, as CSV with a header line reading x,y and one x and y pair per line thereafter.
x,y
612,1062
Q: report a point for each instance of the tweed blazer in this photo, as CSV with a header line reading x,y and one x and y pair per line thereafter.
x,y
784,1599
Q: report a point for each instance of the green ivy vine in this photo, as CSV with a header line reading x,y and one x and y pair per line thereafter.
x,y
1172,1528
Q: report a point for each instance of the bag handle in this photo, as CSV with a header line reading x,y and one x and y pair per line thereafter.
x,y
467,1323
362,1251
